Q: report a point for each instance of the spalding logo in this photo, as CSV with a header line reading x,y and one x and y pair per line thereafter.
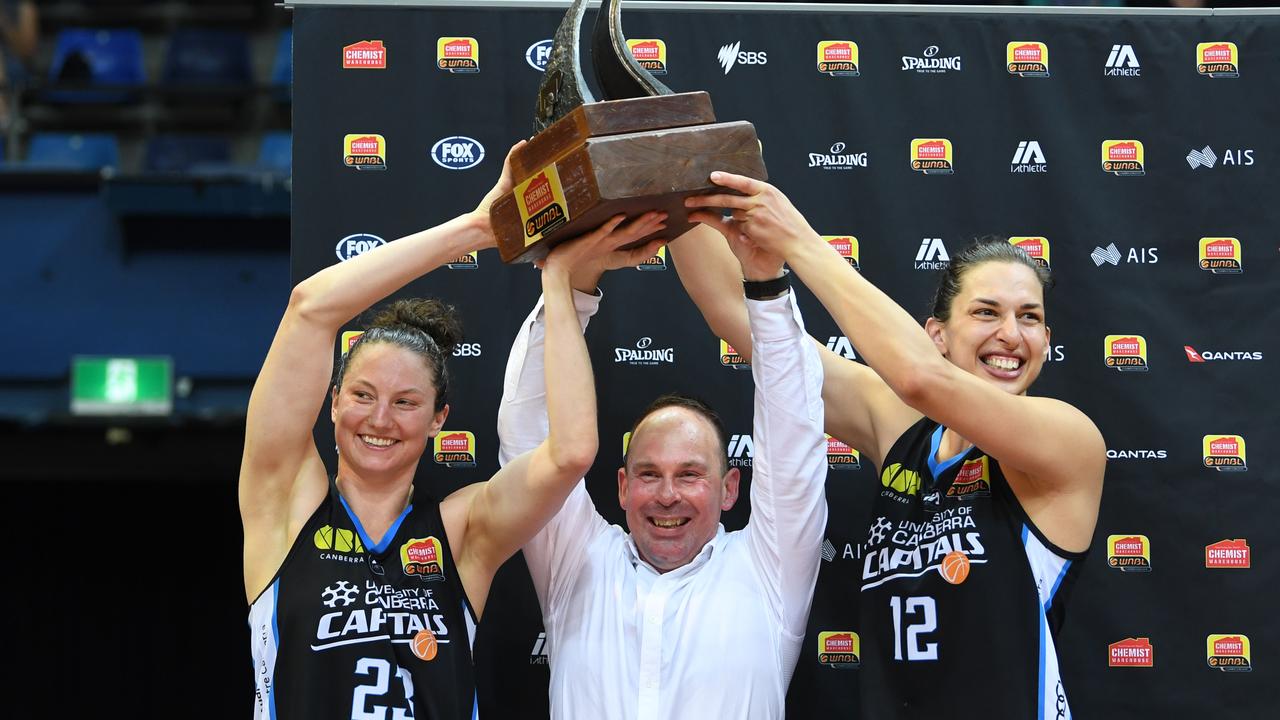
x,y
457,153
358,244
538,54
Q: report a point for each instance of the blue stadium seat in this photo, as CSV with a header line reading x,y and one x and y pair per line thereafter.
x,y
276,152
96,57
282,68
73,151
208,57
180,153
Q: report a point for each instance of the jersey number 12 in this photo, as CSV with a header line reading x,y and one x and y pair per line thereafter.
x,y
927,610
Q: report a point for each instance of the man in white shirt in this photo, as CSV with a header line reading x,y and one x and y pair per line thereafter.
x,y
678,618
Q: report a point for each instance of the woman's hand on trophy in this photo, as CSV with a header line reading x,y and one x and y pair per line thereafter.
x,y
589,256
762,226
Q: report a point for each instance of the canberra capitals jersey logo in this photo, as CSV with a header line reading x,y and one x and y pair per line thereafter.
x,y
973,479
458,54
1129,553
423,558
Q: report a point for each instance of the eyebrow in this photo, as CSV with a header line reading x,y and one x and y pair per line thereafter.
x,y
366,383
993,303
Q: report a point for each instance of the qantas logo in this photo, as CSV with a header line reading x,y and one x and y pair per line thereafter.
x,y
1198,357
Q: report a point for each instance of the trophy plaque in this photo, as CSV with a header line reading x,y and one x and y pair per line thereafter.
x,y
642,148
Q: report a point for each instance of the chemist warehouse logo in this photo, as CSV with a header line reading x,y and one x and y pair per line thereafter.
x,y
458,54
932,156
838,58
847,246
1228,553
840,649
1129,553
455,448
651,54
1224,453
1027,58
366,151
730,357
423,558
1220,255
1218,59
1229,653
842,457
972,480
1123,158
1131,652
1126,353
365,55
1037,248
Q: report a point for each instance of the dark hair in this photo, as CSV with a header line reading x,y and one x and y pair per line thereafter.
x,y
429,328
988,248
693,404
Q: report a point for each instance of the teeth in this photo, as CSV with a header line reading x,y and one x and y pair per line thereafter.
x,y
380,442
668,523
1003,363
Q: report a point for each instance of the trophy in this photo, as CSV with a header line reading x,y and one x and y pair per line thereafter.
x,y
641,148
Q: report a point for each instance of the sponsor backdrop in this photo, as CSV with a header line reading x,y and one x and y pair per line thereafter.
x,y
1132,155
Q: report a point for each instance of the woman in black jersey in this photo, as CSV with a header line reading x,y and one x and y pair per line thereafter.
x,y
364,591
987,498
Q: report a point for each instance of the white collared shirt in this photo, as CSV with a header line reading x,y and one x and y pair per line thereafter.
x,y
718,638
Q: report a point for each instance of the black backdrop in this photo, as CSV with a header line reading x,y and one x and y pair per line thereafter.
x,y
1027,158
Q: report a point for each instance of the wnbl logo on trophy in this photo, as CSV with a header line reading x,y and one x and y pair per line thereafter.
x,y
847,246
1218,59
932,156
458,54
838,58
1220,255
1035,247
1229,653
366,151
542,204
1123,158
1224,453
364,55
456,448
1027,58
732,358
651,54
841,650
1126,353
1129,553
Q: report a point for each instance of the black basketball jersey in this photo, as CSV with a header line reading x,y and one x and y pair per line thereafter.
x,y
959,595
351,630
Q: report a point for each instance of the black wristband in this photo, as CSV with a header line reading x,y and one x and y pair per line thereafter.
x,y
767,289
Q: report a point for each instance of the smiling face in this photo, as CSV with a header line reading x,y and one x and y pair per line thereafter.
x,y
383,413
997,326
675,486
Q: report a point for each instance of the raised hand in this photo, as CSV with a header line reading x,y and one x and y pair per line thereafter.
x,y
502,187
601,249
763,225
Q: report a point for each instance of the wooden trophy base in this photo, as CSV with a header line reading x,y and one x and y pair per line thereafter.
x,y
618,157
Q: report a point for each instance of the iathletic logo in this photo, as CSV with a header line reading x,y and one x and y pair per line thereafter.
x,y
1126,353
741,451
364,55
1028,158
455,448
932,255
1131,652
458,54
1228,554
1037,248
1122,62
840,649
1129,553
1123,158
1224,453
838,58
1218,59
1221,255
1027,58
932,156
365,151
840,345
1229,653
651,54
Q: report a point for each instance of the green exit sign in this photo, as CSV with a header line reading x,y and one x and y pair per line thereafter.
x,y
121,385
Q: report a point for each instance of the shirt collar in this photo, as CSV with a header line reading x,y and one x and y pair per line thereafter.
x,y
702,558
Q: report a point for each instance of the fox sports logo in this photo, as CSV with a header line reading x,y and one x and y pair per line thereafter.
x,y
538,54
457,152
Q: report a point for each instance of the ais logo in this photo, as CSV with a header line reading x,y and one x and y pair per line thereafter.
x,y
1123,158
1027,58
847,246
458,54
1129,553
364,55
932,156
1228,554
1220,255
838,58
455,448
457,152
650,54
1224,453
1126,353
1131,652
842,457
841,650
423,558
1218,59
365,151
732,358
358,244
1037,248
538,54
1229,653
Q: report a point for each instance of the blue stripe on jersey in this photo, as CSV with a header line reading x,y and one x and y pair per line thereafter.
x,y
1044,633
1056,583
385,540
275,630
475,706
935,467
1025,532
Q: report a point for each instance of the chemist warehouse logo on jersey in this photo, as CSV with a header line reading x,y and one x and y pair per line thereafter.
x,y
1123,158
1037,248
1131,652
972,480
458,54
1228,653
423,558
1218,59
729,357
842,457
365,55
1229,553
364,151
1027,58
839,649
1221,255
838,58
455,448
651,54
1224,453
932,156
1126,353
1129,553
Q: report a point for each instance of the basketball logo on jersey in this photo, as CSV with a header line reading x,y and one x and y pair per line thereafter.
x,y
949,542
424,645
973,479
423,558
839,649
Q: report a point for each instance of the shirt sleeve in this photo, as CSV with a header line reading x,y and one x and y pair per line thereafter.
x,y
558,548
789,469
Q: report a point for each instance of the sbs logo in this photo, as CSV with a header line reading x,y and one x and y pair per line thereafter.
x,y
732,54
457,152
357,244
466,350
